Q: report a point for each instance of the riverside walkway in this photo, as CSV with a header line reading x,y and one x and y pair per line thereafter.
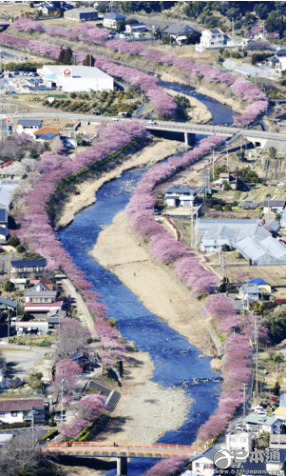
x,y
105,449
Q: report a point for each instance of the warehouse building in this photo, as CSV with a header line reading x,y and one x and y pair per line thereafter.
x,y
76,78
81,14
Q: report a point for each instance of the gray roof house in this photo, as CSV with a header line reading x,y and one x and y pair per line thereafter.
x,y
111,20
249,291
274,205
24,268
28,126
178,29
203,464
81,14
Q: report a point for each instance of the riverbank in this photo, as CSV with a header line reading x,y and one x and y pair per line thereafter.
x,y
118,250
145,412
158,150
199,112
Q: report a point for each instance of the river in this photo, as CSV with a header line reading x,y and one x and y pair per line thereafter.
x,y
176,362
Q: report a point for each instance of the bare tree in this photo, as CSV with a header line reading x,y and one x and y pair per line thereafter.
x,y
21,455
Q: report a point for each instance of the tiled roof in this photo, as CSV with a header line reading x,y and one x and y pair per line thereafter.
x,y
21,404
28,263
46,130
30,122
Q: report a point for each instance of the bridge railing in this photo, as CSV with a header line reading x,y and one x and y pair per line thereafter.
x,y
124,445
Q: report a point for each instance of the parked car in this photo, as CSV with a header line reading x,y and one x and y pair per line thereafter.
x,y
152,122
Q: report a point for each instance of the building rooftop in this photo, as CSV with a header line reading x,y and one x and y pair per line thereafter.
x,y
177,28
8,302
29,122
3,215
28,263
274,203
46,130
207,454
175,189
280,411
259,281
77,72
256,419
45,294
115,16
21,404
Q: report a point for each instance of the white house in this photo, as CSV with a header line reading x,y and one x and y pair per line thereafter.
x,y
203,464
34,327
249,291
213,38
180,196
14,171
260,423
20,410
76,78
238,441
111,20
28,126
135,28
275,206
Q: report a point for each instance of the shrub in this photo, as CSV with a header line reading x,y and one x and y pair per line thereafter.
x,y
13,241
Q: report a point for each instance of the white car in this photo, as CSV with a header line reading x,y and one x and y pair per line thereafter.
x,y
152,122
115,119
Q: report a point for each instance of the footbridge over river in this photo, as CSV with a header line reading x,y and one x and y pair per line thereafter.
x,y
122,451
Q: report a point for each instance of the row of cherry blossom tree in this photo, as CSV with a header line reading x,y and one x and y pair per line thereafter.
x,y
162,245
84,32
242,88
36,229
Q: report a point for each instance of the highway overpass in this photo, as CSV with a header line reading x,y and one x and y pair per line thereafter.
x,y
252,135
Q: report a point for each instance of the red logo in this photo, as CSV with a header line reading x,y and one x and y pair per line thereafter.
x,y
67,73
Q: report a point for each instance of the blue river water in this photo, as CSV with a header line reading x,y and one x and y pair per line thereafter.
x,y
176,362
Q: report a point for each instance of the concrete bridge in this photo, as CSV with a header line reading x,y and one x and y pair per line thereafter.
x,y
255,136
105,449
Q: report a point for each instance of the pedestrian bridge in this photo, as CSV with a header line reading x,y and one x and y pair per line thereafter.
x,y
122,451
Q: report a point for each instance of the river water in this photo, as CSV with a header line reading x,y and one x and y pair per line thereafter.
x,y
176,362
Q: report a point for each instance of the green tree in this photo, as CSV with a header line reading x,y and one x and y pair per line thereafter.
x,y
9,287
272,152
276,324
13,241
88,61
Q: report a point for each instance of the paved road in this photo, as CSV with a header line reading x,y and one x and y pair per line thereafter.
x,y
167,126
81,305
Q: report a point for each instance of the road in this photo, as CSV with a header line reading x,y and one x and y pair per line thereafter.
x,y
81,305
167,126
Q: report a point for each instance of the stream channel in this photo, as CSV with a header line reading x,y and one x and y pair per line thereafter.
x,y
176,362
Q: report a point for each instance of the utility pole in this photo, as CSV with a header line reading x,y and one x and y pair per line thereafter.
x,y
256,352
232,29
192,225
244,399
33,425
62,401
213,162
227,164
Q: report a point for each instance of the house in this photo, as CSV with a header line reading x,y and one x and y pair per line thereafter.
x,y
26,268
226,178
278,61
275,206
46,133
135,28
32,327
277,441
43,284
3,225
54,317
180,196
14,171
111,21
40,296
178,31
213,38
46,9
203,464
238,441
81,14
249,291
261,423
21,410
83,359
40,310
28,126
262,285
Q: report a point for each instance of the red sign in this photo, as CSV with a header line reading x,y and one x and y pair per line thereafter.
x,y
9,120
67,73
